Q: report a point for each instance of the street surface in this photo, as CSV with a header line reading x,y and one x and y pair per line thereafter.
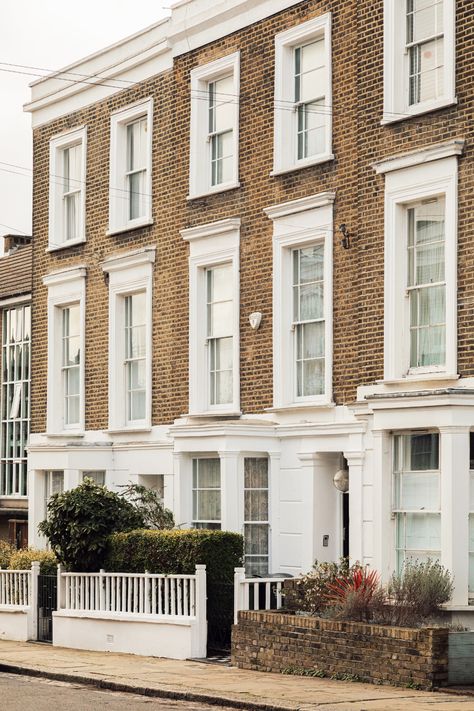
x,y
23,693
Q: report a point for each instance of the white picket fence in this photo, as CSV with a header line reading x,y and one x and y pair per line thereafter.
x,y
131,593
256,593
15,587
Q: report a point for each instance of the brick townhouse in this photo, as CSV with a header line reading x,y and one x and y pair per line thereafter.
x,y
252,277
15,329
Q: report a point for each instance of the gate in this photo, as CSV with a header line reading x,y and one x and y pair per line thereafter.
x,y
47,602
220,613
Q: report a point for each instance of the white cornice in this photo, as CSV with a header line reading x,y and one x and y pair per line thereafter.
x,y
65,275
146,54
310,202
211,229
137,257
423,155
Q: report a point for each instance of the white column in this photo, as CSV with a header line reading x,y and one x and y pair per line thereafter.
x,y
307,510
199,645
355,461
182,490
454,466
274,510
232,492
33,602
383,528
36,507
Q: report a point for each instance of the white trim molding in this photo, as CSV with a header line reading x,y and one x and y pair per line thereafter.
x,y
200,181
61,185
404,187
397,105
129,273
119,195
427,154
211,245
286,131
65,288
302,223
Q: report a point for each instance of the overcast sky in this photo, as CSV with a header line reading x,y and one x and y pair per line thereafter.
x,y
48,34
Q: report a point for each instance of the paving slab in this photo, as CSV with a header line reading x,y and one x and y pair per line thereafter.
x,y
217,684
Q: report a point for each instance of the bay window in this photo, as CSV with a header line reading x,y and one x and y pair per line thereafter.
x,y
15,395
256,516
416,497
206,493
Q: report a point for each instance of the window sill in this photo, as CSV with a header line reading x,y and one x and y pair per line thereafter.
x,y
13,497
65,245
214,191
66,434
390,118
146,222
321,404
214,413
126,430
303,164
419,377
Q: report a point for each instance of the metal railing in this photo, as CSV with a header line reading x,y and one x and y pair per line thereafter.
x,y
256,593
134,594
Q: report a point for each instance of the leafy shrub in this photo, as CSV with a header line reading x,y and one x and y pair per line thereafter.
x,y
309,593
22,560
80,520
6,552
147,501
418,592
357,595
177,551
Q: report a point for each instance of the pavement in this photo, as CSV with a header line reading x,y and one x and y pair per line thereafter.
x,y
215,684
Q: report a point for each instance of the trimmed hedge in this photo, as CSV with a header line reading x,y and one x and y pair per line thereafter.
x,y
177,551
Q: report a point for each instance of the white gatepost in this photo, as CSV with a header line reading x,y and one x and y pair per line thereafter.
x,y
61,588
239,577
201,612
33,601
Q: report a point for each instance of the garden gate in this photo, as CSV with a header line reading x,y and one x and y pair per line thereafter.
x,y
47,603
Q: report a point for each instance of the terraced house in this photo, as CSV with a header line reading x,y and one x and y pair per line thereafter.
x,y
252,277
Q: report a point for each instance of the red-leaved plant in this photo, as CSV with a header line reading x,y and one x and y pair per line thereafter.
x,y
355,595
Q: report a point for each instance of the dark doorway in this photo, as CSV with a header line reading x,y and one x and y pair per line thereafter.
x,y
47,603
345,525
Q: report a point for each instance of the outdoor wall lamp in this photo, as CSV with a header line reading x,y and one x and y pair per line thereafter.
x,y
346,237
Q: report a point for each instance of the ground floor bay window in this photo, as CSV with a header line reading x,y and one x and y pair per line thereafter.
x,y
256,515
416,501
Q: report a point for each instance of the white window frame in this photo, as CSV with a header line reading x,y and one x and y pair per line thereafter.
x,y
396,107
211,245
201,77
425,174
65,288
95,475
118,199
129,273
285,154
296,224
58,144
201,523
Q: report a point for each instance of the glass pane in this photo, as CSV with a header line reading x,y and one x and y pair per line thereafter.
x,y
255,473
419,491
209,505
313,340
72,381
311,301
423,532
72,415
313,377
256,565
224,387
424,451
256,539
311,263
256,505
220,287
427,19
138,404
208,473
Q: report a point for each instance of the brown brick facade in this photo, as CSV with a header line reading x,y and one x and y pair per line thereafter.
x,y
358,141
275,642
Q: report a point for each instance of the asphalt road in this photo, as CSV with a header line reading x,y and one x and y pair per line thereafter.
x,y
25,693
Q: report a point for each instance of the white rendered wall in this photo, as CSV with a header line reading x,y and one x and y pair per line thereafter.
x,y
176,639
14,625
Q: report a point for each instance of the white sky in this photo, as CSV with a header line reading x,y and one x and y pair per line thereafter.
x,y
48,34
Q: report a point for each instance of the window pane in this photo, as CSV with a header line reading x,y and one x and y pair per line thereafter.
x,y
256,505
255,473
256,539
221,319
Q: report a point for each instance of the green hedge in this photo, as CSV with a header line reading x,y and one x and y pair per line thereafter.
x,y
176,551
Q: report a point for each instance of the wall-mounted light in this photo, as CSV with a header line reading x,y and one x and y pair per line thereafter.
x,y
255,320
346,237
341,477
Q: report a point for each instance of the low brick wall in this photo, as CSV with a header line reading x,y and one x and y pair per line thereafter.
x,y
275,642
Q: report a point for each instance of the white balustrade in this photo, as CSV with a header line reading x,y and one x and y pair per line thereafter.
x,y
256,593
133,593
15,588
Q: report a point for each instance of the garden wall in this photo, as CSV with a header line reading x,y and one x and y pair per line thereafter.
x,y
275,642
